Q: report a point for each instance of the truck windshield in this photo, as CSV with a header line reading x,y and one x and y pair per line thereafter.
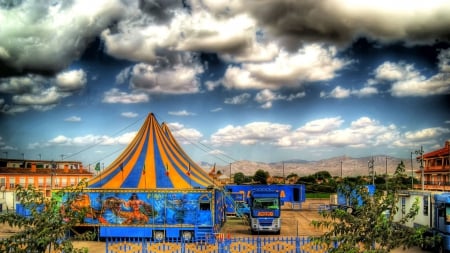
x,y
266,203
447,214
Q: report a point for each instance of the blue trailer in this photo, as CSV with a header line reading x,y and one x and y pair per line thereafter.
x,y
157,214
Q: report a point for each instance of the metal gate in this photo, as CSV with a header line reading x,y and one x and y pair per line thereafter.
x,y
219,244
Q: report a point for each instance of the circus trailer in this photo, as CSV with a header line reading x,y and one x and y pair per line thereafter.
x,y
153,190
155,214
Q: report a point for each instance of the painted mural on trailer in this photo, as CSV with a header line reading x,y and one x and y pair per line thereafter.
x,y
146,208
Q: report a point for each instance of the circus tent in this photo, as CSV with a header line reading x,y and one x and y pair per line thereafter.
x,y
153,159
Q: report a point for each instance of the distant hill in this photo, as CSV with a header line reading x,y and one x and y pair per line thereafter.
x,y
350,166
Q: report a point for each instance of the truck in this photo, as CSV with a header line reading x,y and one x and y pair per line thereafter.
x,y
265,211
434,214
292,195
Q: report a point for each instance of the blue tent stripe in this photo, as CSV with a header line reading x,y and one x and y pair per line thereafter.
x,y
162,180
132,181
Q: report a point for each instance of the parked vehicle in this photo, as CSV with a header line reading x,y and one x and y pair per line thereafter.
x,y
192,214
265,211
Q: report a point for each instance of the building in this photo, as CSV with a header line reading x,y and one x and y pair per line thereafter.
x,y
436,169
43,175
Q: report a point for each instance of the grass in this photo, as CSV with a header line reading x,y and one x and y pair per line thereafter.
x,y
318,195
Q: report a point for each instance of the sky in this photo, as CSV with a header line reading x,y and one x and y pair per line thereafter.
x,y
257,80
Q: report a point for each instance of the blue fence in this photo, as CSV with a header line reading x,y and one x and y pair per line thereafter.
x,y
219,244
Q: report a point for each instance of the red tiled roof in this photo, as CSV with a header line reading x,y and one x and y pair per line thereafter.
x,y
445,151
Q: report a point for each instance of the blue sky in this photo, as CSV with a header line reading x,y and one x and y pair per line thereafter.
x,y
263,81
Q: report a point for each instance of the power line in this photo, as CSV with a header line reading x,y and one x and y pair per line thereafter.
x,y
100,142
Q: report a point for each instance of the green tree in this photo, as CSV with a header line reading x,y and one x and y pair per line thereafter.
x,y
48,223
261,176
371,226
322,175
239,178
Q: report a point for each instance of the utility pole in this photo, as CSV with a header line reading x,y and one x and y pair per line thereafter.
x,y
341,169
412,171
420,152
371,166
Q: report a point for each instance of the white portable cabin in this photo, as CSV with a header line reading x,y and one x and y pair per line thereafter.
x,y
425,214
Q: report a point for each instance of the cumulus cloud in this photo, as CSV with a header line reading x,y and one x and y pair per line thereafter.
x,y
71,80
181,78
324,132
73,119
38,92
406,80
184,135
239,99
338,92
182,113
266,97
86,140
114,96
256,132
426,134
311,63
129,114
45,37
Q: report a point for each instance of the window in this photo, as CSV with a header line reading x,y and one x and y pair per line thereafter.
x,y
403,204
205,206
425,205
41,182
31,181
12,182
447,214
22,181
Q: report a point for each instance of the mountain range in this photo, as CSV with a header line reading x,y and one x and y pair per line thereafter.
x,y
336,166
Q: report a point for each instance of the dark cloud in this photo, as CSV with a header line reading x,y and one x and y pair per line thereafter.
x,y
341,22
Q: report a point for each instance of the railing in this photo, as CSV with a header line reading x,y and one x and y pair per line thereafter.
x,y
220,244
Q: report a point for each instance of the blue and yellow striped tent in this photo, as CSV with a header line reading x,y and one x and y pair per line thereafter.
x,y
153,159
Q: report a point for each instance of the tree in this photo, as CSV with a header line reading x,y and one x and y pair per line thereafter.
x,y
261,176
239,178
371,226
48,223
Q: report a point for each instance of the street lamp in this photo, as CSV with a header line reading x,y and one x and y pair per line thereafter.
x,y
420,152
